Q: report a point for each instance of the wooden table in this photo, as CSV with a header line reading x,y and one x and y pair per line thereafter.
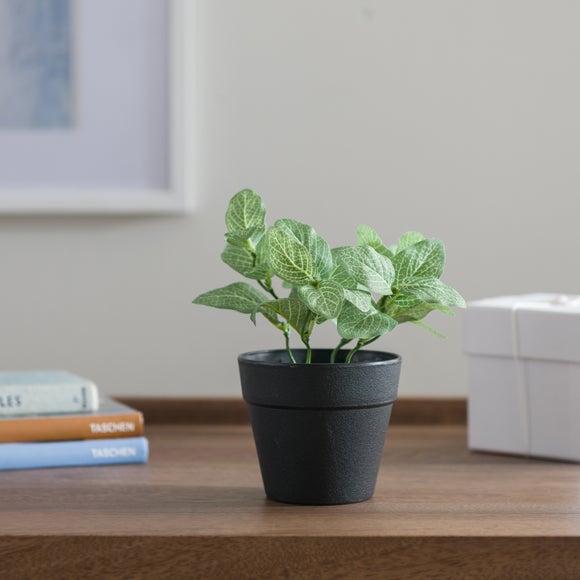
x,y
197,510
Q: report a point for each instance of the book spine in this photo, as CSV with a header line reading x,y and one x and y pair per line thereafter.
x,y
73,453
45,399
62,428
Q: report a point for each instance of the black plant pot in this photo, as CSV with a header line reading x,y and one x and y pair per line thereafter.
x,y
319,428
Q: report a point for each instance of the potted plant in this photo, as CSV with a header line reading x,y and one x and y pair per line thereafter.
x,y
319,416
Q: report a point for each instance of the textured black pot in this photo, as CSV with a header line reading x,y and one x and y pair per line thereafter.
x,y
320,428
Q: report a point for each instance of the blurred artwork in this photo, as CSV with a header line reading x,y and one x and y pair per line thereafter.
x,y
35,64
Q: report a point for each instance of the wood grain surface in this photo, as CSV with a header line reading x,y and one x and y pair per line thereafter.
x,y
232,410
197,510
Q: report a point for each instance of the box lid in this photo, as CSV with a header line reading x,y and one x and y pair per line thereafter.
x,y
539,326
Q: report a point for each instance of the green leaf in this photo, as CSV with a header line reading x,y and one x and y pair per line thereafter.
x,y
326,300
257,273
261,270
245,210
352,323
407,308
367,267
241,260
409,239
419,312
262,252
250,235
294,311
315,244
427,327
432,290
359,298
269,315
237,258
340,274
289,259
400,302
366,236
423,259
239,296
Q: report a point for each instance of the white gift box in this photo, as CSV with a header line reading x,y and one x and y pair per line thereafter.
x,y
524,375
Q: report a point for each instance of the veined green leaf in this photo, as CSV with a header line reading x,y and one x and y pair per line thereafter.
x,y
353,323
407,308
294,293
367,267
423,259
427,327
261,270
419,312
245,210
409,239
257,273
289,259
237,258
239,296
326,300
269,315
359,298
366,236
252,235
400,302
262,252
432,290
294,311
314,243
241,260
339,273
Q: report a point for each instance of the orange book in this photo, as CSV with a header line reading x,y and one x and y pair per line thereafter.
x,y
112,420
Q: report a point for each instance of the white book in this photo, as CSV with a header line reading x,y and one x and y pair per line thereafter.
x,y
45,392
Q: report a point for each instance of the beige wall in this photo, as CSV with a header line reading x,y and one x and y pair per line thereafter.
x,y
459,119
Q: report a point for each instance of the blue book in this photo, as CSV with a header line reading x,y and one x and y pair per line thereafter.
x,y
74,453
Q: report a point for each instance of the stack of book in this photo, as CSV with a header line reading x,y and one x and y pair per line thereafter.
x,y
57,419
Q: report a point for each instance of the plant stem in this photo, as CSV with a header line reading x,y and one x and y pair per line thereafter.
x,y
358,346
339,346
306,340
288,349
362,342
305,337
268,288
372,340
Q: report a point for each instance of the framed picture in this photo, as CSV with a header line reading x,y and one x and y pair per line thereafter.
x,y
96,100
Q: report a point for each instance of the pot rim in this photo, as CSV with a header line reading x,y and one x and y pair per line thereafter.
x,y
390,358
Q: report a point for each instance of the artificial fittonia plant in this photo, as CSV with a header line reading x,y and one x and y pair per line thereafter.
x,y
367,289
